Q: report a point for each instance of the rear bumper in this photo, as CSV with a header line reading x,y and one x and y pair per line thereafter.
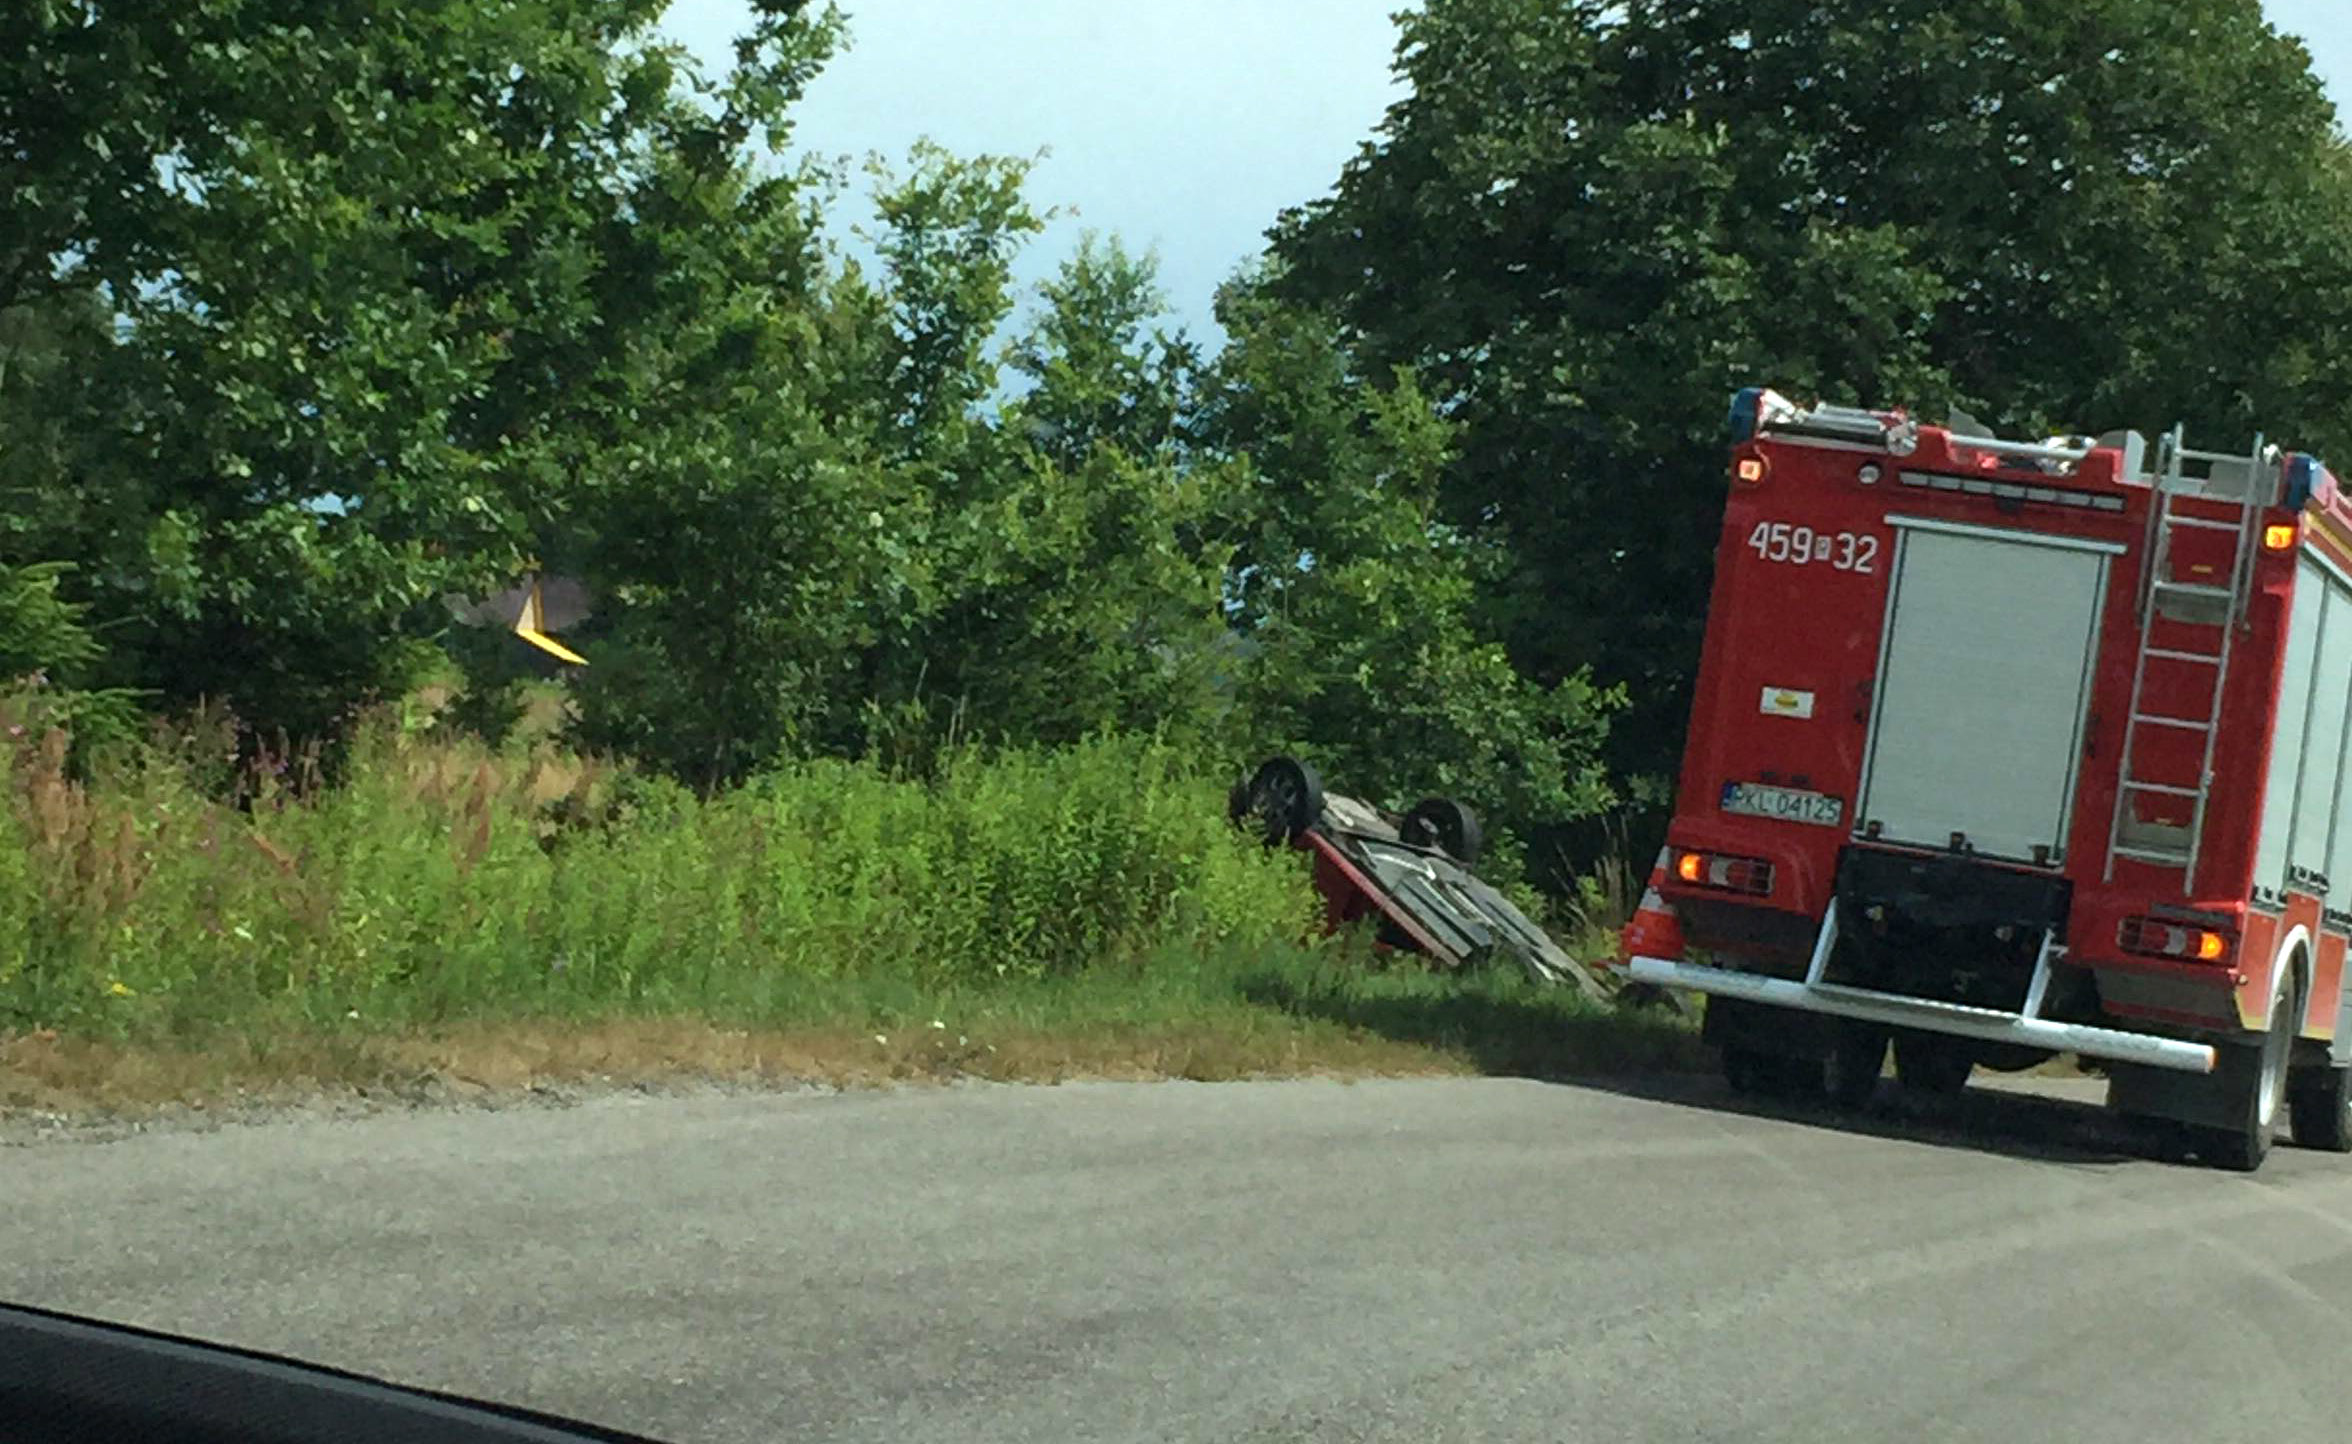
x,y
1957,1020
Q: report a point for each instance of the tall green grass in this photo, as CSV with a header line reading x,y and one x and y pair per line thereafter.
x,y
438,881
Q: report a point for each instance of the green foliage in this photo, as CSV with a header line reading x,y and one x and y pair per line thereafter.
x,y
39,630
441,881
313,316
1588,224
776,531
290,354
1087,589
1358,602
310,317
45,649
336,305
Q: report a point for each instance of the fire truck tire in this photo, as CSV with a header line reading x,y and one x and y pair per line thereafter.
x,y
1747,1071
1443,823
2319,1109
2241,1145
1752,1072
1931,1063
1849,1075
1281,800
1757,1073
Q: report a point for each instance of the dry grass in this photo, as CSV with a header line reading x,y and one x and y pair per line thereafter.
x,y
1324,1013
449,920
79,1077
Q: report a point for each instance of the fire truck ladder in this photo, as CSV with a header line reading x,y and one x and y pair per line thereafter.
x,y
2227,478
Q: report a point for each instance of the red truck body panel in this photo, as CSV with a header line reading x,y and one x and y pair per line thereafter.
x,y
1788,697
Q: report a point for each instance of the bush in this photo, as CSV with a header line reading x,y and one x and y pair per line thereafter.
x,y
441,880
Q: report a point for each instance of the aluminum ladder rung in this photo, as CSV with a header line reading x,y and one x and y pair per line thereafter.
x,y
2164,789
2243,490
2213,458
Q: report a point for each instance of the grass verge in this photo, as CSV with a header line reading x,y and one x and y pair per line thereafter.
x,y
447,916
1302,1013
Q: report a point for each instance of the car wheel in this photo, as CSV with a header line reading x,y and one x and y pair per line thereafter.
x,y
1280,802
1443,823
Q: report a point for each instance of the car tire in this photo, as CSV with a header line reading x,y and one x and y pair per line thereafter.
x,y
1447,825
1281,801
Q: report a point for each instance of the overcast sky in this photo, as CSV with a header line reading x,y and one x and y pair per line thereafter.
x,y
1181,125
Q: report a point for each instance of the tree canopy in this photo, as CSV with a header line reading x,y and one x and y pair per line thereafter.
x,y
312,317
1588,223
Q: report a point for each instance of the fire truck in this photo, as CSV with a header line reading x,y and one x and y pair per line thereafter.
x,y
2005,750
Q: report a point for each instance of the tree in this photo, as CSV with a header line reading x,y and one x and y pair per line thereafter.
x,y
45,651
802,493
1093,599
367,285
747,530
1590,222
1356,600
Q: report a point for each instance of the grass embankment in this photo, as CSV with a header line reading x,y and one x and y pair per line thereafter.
x,y
446,914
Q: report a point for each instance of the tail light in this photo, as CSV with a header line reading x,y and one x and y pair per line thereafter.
x,y
1750,875
2156,938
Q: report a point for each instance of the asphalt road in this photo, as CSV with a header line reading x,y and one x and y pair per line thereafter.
x,y
1431,1260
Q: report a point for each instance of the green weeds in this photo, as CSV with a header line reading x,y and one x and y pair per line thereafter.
x,y
1023,914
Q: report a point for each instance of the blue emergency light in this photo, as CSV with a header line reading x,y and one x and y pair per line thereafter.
x,y
2307,480
1747,414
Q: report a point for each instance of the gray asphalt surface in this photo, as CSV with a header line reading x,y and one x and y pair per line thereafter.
x,y
1427,1260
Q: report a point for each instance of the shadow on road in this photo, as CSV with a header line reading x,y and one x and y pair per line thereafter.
x,y
1509,1033
1990,1117
1661,1061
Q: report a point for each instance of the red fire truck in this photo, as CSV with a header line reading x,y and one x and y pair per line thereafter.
x,y
2002,750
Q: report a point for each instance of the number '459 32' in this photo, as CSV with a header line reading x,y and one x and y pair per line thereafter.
x,y
1845,551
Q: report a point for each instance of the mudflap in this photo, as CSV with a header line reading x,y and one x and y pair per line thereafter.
x,y
2210,1100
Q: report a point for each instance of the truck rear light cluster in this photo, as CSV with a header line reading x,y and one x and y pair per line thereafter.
x,y
2155,938
1750,875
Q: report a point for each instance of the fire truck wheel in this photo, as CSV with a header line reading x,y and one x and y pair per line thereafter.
x,y
1754,1073
1850,1073
1932,1063
1441,822
2319,1109
2242,1145
1746,1070
1282,799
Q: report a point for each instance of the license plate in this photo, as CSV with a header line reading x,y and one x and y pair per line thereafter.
x,y
1784,804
